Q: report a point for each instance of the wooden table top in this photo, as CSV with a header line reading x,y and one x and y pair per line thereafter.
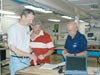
x,y
34,70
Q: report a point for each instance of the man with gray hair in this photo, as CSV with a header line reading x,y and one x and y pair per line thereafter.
x,y
40,43
76,43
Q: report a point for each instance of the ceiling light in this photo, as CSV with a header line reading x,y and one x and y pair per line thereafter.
x,y
6,12
37,9
12,16
54,20
66,17
73,0
81,21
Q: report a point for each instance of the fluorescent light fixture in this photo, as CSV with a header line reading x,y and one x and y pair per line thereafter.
x,y
81,21
73,0
38,9
6,12
66,17
54,20
12,16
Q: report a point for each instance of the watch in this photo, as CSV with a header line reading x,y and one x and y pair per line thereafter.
x,y
74,54
31,52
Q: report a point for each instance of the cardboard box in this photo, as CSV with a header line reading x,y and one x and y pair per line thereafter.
x,y
55,59
92,61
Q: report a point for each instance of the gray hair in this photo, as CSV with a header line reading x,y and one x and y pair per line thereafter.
x,y
26,12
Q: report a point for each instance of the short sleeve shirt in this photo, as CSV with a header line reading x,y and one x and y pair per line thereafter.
x,y
41,45
19,36
77,44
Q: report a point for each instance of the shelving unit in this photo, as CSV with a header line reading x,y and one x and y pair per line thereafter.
x,y
0,64
5,67
2,57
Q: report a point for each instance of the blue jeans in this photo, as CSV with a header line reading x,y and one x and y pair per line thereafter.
x,y
17,64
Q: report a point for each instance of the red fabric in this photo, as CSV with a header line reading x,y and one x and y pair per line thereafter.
x,y
43,39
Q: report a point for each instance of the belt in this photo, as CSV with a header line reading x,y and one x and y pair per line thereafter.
x,y
19,56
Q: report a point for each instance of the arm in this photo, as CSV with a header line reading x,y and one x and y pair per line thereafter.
x,y
43,56
17,51
65,53
12,45
48,53
83,47
84,53
50,47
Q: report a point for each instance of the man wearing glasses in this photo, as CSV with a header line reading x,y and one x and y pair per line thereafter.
x,y
76,43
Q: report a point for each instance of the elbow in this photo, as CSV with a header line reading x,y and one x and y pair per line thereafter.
x,y
12,47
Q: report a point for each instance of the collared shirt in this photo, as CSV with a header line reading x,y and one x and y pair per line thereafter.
x,y
77,44
41,44
19,36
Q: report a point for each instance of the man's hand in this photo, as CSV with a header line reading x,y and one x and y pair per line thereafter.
x,y
68,54
65,53
41,57
34,58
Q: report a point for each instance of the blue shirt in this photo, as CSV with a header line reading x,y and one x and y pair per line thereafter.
x,y
77,44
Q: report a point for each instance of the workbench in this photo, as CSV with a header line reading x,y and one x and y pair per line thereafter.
x,y
34,70
90,52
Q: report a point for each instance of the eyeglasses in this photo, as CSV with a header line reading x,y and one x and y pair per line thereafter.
x,y
71,30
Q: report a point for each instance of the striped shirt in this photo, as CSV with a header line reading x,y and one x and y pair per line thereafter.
x,y
41,45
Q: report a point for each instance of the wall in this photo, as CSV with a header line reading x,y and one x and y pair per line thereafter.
x,y
58,37
94,28
6,22
96,36
49,27
94,22
82,27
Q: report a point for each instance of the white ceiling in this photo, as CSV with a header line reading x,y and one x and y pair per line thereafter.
x,y
85,9
92,7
